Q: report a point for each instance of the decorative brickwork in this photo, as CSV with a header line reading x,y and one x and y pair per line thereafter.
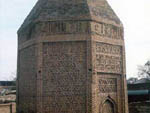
x,y
107,30
108,58
71,59
64,77
107,85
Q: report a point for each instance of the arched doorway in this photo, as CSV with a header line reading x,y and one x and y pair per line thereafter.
x,y
108,107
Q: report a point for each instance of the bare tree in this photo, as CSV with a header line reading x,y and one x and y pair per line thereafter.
x,y
144,71
13,76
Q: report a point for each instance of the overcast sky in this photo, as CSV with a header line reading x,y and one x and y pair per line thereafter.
x,y
135,15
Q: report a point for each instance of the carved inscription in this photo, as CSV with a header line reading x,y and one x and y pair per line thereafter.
x,y
73,27
108,58
107,85
107,30
64,77
63,27
108,49
110,63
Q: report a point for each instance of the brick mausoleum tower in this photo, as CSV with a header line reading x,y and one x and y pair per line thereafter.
x,y
71,59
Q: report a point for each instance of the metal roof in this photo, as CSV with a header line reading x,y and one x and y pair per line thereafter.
x,y
138,92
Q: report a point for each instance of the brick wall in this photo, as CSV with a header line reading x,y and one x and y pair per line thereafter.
x,y
64,77
27,82
8,108
139,107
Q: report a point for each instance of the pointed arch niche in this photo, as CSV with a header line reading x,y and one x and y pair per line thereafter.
x,y
109,106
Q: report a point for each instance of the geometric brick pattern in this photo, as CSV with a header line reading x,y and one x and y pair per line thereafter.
x,y
71,59
64,77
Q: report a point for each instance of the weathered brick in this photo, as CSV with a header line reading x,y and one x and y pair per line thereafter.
x,y
71,59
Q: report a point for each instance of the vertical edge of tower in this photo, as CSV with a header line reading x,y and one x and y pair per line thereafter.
x,y
89,51
27,70
109,72
109,89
